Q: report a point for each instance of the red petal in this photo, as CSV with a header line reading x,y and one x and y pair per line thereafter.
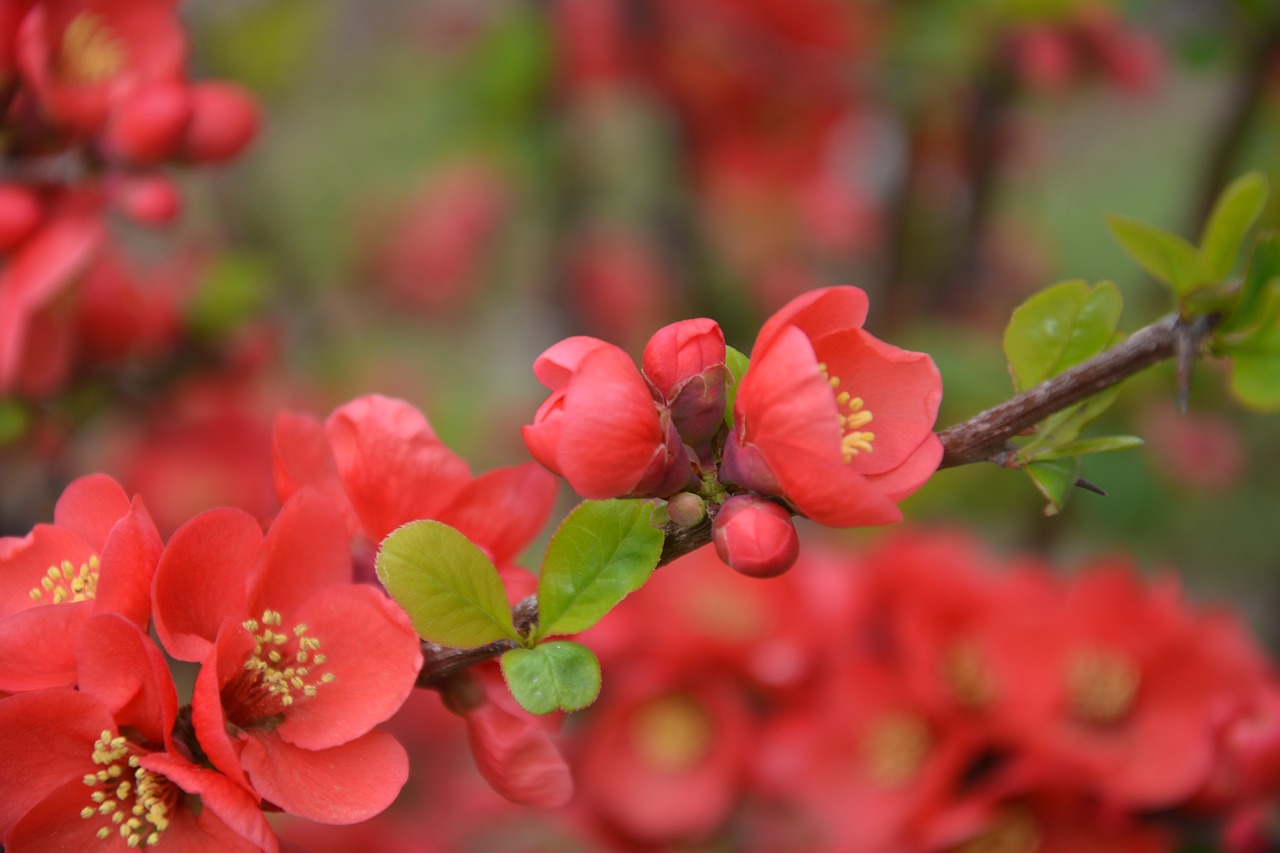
x,y
374,655
122,668
558,362
610,432
341,785
24,562
301,457
201,580
503,510
225,662
230,803
90,507
306,549
518,759
901,482
37,646
816,313
129,561
681,350
393,468
542,437
46,739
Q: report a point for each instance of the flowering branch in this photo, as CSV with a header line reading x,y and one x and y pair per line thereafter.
x,y
982,438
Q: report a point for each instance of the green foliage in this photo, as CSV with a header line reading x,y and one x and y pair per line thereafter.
x,y
737,364
1250,336
1054,479
1234,213
558,675
233,291
13,421
602,552
446,584
268,45
1165,255
1060,327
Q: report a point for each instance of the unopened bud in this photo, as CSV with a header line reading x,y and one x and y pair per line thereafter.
x,y
756,536
686,509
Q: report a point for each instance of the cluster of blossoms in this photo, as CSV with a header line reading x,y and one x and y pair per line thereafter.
x,y
298,660
924,697
94,102
827,421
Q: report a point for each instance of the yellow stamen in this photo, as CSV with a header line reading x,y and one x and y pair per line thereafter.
x,y
1101,686
894,749
852,415
65,582
90,52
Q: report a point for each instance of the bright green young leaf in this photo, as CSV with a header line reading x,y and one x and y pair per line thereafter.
x,y
1255,370
1086,446
558,675
1165,255
603,551
446,584
1260,283
1060,327
1055,480
1065,426
737,364
1234,213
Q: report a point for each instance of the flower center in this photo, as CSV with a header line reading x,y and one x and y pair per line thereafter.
x,y
67,583
1101,687
672,733
128,799
894,749
90,51
1013,832
852,416
967,675
280,671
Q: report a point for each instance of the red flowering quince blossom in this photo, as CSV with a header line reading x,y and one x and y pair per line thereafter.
x,y
379,459
298,663
97,768
82,57
601,428
832,419
98,556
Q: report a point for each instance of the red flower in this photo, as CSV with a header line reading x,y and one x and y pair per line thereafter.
x,y
601,429
685,365
97,768
832,419
299,664
98,556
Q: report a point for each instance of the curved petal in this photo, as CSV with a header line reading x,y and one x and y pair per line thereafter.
x,y
374,655
502,510
517,758
122,668
610,431
46,738
230,803
340,785
901,389
28,658
542,437
225,662
202,578
306,549
25,561
90,507
900,483
129,560
300,456
559,361
816,313
393,468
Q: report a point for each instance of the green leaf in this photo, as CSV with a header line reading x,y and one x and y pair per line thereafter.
x,y
1260,284
1165,255
1255,370
1063,427
602,552
737,364
557,675
446,584
1086,446
1060,327
1234,213
1054,479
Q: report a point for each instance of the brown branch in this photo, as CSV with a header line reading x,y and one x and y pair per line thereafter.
x,y
982,438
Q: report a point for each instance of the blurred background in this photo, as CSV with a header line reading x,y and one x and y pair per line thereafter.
x,y
440,189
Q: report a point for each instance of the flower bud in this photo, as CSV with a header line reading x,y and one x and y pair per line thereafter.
x,y
756,536
686,509
224,119
149,126
685,365
148,199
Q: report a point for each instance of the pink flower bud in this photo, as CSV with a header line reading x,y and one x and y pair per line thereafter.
x,y
686,509
756,536
149,126
685,364
224,119
148,200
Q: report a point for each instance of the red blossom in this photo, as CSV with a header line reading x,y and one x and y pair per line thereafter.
x,y
299,664
97,557
832,419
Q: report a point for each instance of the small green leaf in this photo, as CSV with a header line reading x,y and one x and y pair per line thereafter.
x,y
1255,370
602,552
1234,213
1060,327
1054,479
1063,427
446,584
1260,283
557,675
1165,255
737,364
1086,446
